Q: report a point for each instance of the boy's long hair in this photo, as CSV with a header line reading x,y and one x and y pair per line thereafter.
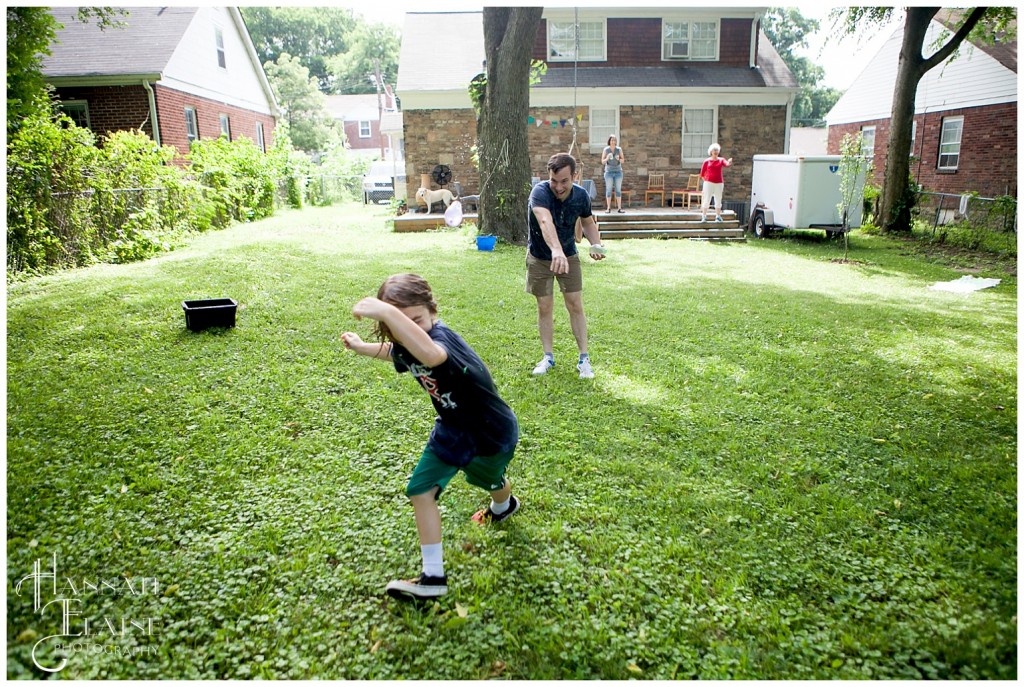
x,y
403,291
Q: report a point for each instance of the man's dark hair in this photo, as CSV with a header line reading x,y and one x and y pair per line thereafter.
x,y
560,161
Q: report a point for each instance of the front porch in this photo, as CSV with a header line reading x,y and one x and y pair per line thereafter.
x,y
634,222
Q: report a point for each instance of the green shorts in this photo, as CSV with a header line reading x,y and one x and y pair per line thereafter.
x,y
486,472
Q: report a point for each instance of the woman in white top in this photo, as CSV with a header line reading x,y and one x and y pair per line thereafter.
x,y
612,159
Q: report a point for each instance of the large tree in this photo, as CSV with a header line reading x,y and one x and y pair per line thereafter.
x,y
370,61
504,156
311,34
986,23
787,29
310,125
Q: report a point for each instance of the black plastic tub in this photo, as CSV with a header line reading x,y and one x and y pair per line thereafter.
x,y
212,312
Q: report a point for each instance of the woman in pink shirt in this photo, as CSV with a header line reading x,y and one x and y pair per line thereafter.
x,y
711,173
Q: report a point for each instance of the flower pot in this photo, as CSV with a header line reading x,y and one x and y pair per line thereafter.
x,y
486,242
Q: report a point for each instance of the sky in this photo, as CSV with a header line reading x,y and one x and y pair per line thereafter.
x,y
843,58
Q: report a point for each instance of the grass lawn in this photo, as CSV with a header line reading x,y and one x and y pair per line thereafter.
x,y
786,467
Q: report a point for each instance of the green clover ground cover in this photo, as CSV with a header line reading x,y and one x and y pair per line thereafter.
x,y
786,467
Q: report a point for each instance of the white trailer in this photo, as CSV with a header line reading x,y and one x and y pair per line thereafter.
x,y
798,191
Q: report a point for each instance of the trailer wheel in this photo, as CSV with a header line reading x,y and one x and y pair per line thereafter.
x,y
761,230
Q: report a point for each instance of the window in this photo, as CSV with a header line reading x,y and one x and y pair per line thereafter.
x,y
78,111
562,41
689,40
913,137
260,141
698,133
949,142
867,142
603,123
225,126
364,129
191,124
221,57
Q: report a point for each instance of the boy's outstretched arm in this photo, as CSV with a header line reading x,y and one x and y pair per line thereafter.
x,y
380,350
406,332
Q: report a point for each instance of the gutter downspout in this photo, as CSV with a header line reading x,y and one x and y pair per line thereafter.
x,y
789,122
755,26
152,111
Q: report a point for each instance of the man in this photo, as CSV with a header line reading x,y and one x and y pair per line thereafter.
x,y
551,255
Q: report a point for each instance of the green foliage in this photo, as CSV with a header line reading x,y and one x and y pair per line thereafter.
x,y
311,34
30,30
310,124
810,475
787,29
372,51
49,165
241,177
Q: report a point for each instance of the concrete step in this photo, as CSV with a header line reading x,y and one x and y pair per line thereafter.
x,y
678,232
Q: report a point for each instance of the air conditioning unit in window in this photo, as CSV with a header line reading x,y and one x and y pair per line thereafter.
x,y
679,49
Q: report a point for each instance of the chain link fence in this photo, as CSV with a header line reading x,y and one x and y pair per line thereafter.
x,y
970,220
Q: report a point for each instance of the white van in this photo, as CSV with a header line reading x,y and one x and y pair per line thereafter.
x,y
380,179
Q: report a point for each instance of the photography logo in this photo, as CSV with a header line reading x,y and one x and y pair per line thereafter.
x,y
64,607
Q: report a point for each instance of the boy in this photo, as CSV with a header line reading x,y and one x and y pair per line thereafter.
x,y
475,431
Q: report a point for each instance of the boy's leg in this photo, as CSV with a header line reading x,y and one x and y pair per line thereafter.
x,y
489,473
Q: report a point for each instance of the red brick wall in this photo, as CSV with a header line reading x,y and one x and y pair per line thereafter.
x,y
988,150
113,108
637,43
352,132
171,104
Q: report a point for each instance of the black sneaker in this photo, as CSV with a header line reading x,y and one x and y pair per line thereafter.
x,y
485,516
423,587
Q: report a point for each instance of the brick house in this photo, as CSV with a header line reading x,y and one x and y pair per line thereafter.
x,y
666,81
361,116
177,73
965,116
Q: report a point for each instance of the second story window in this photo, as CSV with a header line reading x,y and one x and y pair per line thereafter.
x,y
689,40
562,41
364,129
191,124
221,57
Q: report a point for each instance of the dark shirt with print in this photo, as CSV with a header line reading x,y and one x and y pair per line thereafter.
x,y
472,419
564,215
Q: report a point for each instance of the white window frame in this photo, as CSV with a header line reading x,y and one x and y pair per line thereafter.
x,y
191,124
913,136
944,143
82,106
568,54
218,39
261,140
706,138
225,125
599,133
365,128
866,150
679,43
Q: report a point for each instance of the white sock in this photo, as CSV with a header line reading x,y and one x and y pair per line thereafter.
x,y
499,508
433,559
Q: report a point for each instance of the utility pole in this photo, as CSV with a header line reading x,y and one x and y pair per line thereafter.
x,y
380,104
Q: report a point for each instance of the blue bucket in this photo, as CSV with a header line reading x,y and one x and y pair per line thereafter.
x,y
486,242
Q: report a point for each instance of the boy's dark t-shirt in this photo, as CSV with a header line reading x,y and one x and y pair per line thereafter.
x,y
564,215
472,419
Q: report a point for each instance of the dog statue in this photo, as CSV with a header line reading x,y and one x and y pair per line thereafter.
x,y
428,197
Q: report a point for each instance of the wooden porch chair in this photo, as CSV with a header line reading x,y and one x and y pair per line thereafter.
x,y
655,186
691,192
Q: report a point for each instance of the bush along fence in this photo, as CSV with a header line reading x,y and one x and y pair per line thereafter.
x,y
969,220
71,203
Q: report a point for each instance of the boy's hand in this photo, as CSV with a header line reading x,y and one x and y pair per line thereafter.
x,y
351,339
369,307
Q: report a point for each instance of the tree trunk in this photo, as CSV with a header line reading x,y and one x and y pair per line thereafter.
x,y
509,36
895,209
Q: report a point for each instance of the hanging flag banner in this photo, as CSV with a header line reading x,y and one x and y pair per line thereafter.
x,y
529,120
555,123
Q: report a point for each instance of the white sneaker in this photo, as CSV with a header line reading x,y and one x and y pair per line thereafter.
x,y
586,371
543,366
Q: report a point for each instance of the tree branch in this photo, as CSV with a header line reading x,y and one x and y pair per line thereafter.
x,y
945,51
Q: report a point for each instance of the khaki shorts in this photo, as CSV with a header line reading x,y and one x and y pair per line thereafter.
x,y
540,279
